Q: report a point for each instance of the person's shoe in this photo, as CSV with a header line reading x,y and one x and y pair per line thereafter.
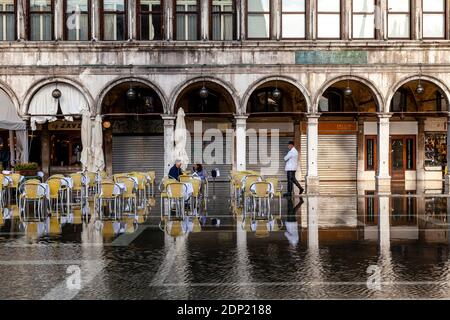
x,y
287,195
301,190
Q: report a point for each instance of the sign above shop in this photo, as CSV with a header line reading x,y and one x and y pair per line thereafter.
x,y
331,57
64,126
335,127
435,124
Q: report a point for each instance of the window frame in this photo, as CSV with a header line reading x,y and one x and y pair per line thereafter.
x,y
212,13
443,13
388,13
140,13
28,24
65,13
14,14
198,13
375,3
328,13
247,13
291,13
102,20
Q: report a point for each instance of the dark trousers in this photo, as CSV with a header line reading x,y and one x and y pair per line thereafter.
x,y
292,180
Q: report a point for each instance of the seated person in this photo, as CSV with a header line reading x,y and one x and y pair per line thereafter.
x,y
175,171
199,171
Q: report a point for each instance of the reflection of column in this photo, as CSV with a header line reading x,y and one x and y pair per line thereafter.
x,y
383,179
313,223
169,123
241,126
242,270
312,175
383,223
447,176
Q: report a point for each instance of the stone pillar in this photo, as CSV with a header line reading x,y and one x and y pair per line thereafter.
x,y
21,21
447,176
204,19
311,28
276,20
238,26
45,150
59,24
95,20
420,158
416,20
346,19
108,137
380,18
168,20
312,173
132,23
383,179
169,126
241,146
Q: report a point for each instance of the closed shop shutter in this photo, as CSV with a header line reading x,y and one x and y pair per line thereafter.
x,y
139,153
337,157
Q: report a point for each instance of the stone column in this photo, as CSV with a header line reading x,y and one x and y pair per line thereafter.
x,y
384,235
204,19
21,21
380,18
243,21
447,176
276,20
313,224
241,147
59,24
132,23
169,126
311,28
95,20
168,20
312,173
346,19
383,179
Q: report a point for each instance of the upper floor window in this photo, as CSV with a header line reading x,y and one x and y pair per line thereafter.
x,y
7,20
433,21
399,19
76,17
40,22
187,20
329,19
150,20
114,14
363,22
293,19
258,19
223,20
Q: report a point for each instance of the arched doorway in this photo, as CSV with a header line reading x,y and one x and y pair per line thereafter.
x,y
209,107
418,132
276,108
347,148
133,128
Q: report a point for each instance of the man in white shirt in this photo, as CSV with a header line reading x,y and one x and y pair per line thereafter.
x,y
291,160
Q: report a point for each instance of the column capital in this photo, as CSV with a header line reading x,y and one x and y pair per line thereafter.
x,y
314,115
168,117
240,116
382,115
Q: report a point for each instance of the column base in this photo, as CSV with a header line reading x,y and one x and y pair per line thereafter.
x,y
383,185
312,184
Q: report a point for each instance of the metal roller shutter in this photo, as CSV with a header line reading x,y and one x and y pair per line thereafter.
x,y
337,157
138,153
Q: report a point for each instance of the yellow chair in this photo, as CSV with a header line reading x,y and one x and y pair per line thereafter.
x,y
16,179
55,190
119,175
277,190
261,193
185,178
54,226
163,191
247,194
175,196
129,195
32,192
78,188
106,196
196,194
141,187
151,177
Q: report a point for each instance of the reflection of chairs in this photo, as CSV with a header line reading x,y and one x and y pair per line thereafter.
x,y
261,194
261,229
175,196
163,191
78,187
106,196
32,192
247,194
277,190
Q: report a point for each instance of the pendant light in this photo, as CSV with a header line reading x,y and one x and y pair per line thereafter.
x,y
131,93
348,91
420,89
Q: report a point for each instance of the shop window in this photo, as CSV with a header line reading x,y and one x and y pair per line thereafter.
x,y
410,154
223,18
371,153
363,19
65,149
258,19
435,149
433,19
150,20
76,15
7,20
328,19
114,13
264,101
399,19
293,21
187,20
40,22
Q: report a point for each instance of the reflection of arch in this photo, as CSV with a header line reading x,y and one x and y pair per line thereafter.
x,y
438,83
255,85
42,83
181,89
376,94
119,81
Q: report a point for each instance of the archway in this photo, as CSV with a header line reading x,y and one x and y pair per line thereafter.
x,y
131,110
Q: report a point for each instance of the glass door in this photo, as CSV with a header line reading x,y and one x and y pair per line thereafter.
x,y
397,159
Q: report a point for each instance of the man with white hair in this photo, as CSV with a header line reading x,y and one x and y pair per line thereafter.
x,y
176,171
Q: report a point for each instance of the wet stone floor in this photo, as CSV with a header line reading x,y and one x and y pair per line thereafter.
x,y
344,246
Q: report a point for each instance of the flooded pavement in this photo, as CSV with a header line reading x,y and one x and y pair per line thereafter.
x,y
345,246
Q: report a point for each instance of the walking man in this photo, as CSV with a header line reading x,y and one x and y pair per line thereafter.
x,y
291,160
